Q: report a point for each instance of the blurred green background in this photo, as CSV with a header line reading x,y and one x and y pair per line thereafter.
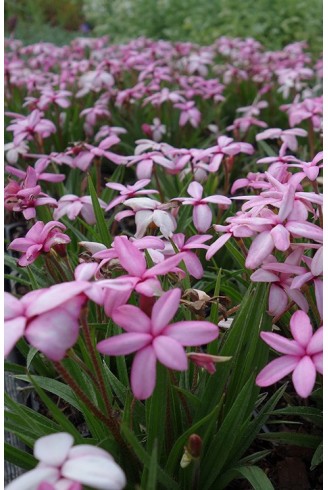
x,y
273,22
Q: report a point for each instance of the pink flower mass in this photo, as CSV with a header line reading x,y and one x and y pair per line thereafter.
x,y
157,193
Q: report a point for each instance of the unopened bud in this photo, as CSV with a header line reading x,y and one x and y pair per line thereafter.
x,y
194,445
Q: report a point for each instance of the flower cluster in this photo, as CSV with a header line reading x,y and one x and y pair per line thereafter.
x,y
130,234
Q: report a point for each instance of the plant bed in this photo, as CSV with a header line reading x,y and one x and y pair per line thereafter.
x,y
165,273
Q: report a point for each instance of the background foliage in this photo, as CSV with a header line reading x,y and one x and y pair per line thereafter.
x,y
275,23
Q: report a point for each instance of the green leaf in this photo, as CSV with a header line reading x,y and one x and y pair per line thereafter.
x,y
255,475
292,438
250,430
99,214
177,450
152,471
224,440
162,476
30,356
56,387
156,411
57,414
235,254
18,457
317,457
310,413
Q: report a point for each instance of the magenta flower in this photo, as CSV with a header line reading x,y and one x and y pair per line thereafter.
x,y
154,339
62,466
303,355
72,206
202,214
40,238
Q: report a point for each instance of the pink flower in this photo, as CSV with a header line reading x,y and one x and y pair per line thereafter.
x,y
40,238
303,355
192,262
143,280
287,136
154,339
62,466
189,113
206,361
86,153
72,206
25,197
27,127
279,275
128,191
40,165
202,214
48,318
149,211
311,169
225,147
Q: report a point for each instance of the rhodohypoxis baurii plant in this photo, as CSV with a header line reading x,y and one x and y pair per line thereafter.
x,y
130,255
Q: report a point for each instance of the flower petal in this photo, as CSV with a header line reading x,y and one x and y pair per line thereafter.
x,y
143,373
304,377
260,248
192,332
130,257
53,449
164,310
32,479
278,300
301,328
14,330
123,344
53,333
276,370
95,471
170,353
132,319
202,217
315,345
281,344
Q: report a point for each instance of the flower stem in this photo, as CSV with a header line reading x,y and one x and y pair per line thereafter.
x,y
96,364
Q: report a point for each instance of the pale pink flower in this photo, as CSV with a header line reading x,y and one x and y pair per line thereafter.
x,y
128,191
25,128
40,238
302,356
202,214
62,466
47,318
189,113
154,339
72,206
287,136
147,211
26,196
